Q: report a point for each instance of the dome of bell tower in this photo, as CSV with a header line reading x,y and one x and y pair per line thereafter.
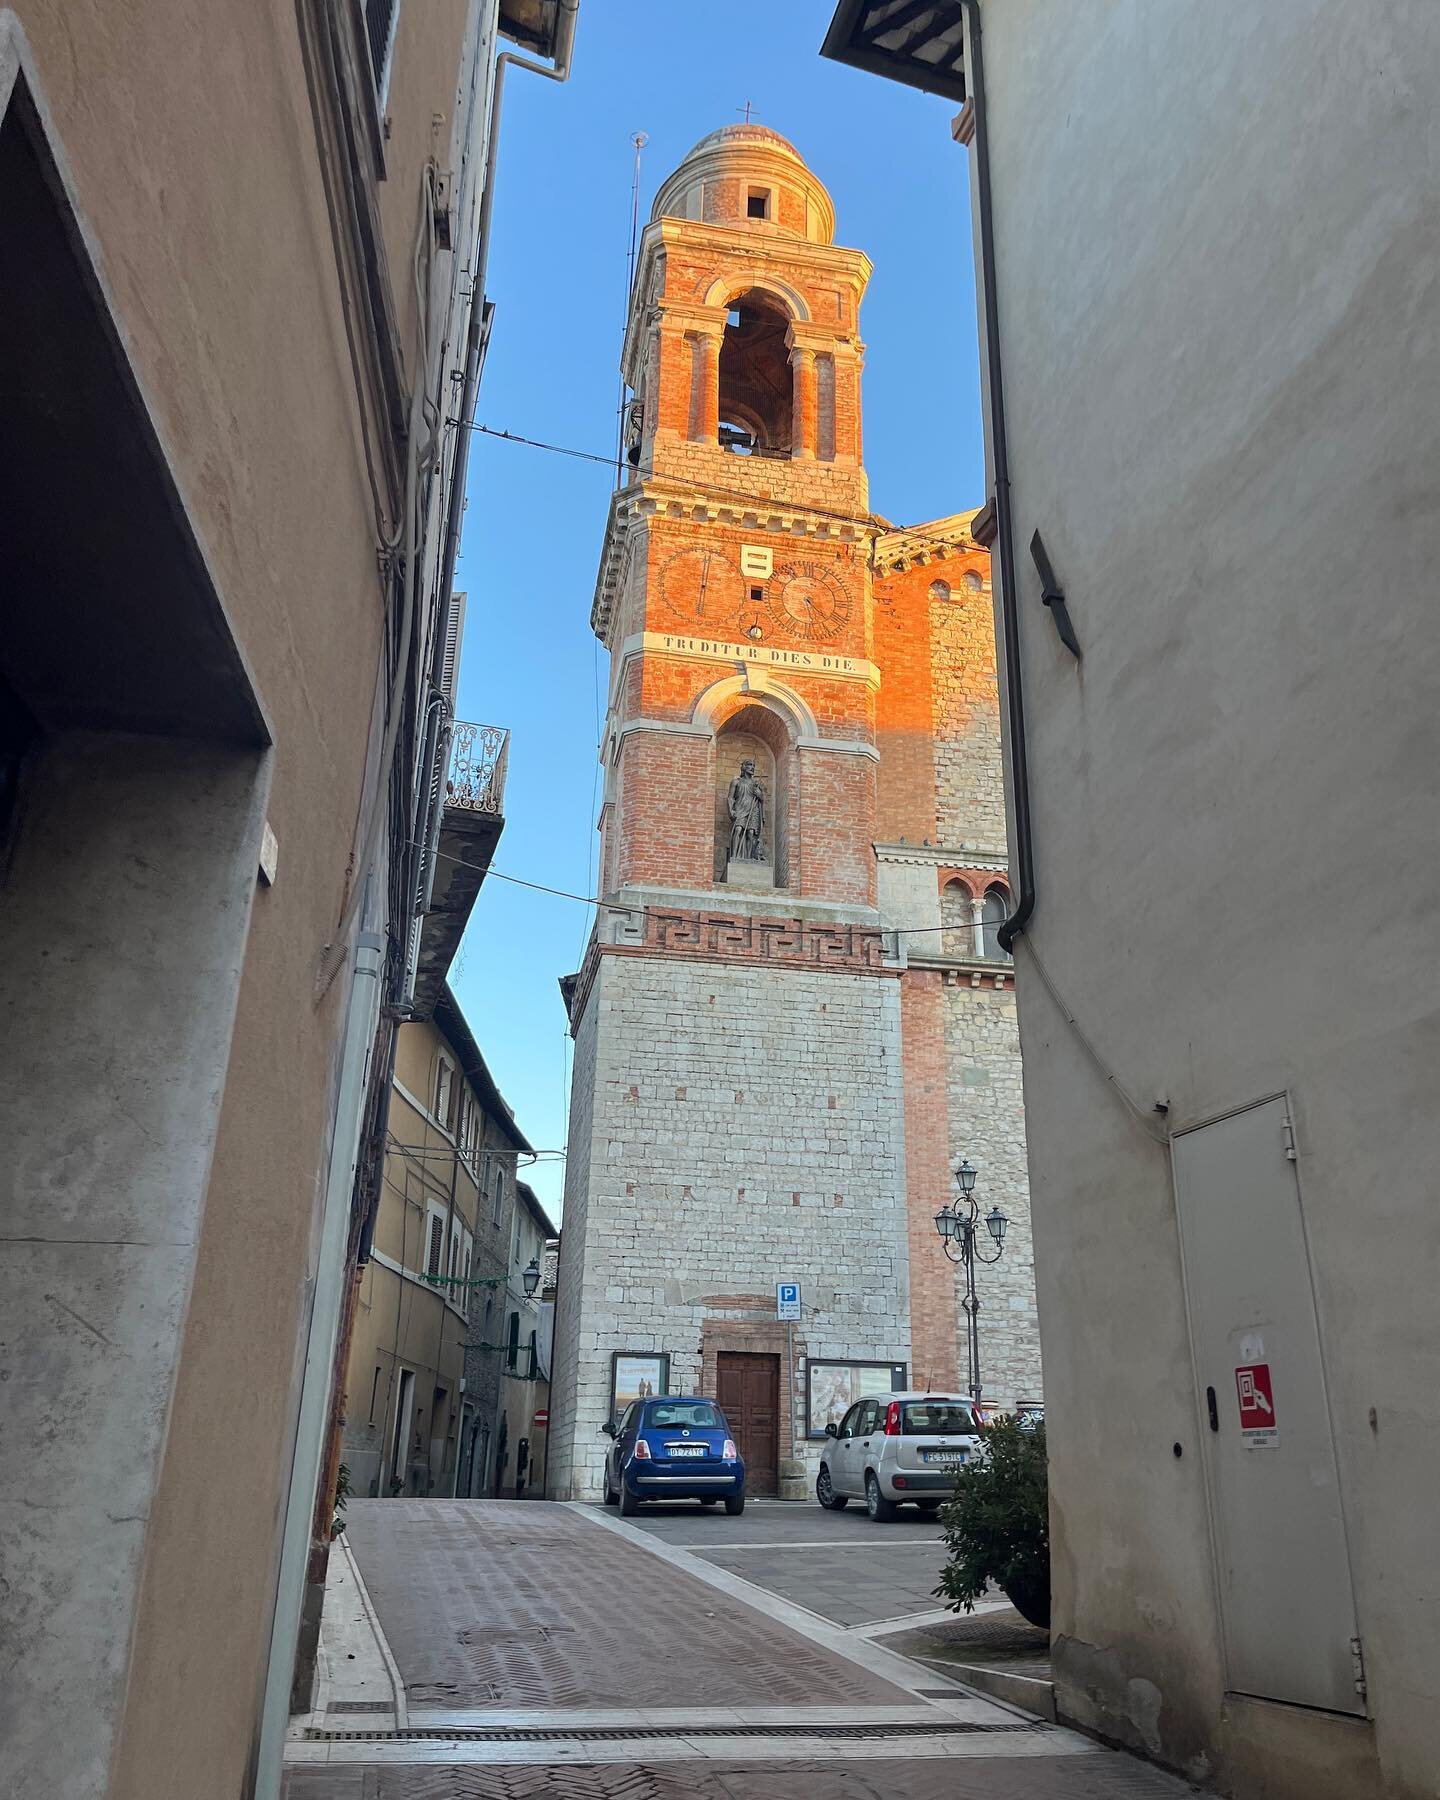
x,y
748,175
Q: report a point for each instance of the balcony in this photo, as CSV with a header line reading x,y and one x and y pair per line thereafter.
x,y
471,821
479,760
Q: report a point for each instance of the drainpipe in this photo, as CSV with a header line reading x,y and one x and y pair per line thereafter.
x,y
1004,518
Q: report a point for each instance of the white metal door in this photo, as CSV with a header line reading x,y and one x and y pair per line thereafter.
x,y
1286,1600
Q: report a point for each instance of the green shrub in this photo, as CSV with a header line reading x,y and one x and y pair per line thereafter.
x,y
997,1525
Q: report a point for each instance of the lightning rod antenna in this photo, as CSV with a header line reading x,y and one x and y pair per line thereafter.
x,y
639,139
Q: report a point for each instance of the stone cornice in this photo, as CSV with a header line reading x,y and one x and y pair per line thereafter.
x,y
897,551
964,855
686,728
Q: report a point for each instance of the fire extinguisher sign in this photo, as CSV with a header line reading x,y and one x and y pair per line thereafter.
x,y
1258,1425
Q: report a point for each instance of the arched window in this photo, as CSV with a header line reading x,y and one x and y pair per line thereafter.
x,y
993,915
756,389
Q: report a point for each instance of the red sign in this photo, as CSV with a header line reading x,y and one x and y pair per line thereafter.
x,y
542,1417
1257,1403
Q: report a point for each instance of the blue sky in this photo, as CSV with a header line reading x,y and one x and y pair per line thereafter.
x,y
675,69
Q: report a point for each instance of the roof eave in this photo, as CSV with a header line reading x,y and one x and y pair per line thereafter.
x,y
843,44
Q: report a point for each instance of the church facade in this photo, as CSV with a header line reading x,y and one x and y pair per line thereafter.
x,y
793,1015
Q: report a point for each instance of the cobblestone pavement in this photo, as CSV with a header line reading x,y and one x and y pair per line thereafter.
x,y
840,1565
1035,1778
523,1604
555,1653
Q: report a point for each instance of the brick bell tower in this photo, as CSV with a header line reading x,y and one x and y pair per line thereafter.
x,y
792,1016
736,1111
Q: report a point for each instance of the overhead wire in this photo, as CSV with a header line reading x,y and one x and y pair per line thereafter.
x,y
873,526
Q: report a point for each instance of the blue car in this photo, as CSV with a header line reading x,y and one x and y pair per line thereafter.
x,y
670,1447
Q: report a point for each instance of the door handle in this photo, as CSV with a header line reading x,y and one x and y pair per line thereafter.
x,y
1212,1409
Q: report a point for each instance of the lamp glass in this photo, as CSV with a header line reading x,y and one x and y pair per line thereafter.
x,y
998,1224
965,1174
945,1222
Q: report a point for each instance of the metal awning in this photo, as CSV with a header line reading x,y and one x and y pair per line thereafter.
x,y
920,43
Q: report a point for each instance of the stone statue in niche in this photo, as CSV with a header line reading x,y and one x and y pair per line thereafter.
x,y
747,816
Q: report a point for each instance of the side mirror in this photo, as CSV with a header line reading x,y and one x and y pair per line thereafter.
x,y
832,1429
609,1428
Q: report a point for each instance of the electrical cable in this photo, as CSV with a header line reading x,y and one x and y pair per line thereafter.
x,y
873,528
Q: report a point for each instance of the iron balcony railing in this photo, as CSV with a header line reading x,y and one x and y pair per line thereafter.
x,y
479,758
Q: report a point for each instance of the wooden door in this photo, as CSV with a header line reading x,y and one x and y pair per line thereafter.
x,y
749,1394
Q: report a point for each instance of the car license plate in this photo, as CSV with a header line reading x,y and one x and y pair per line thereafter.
x,y
949,1459
687,1449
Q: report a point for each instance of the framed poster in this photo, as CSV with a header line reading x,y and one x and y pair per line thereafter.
x,y
832,1388
635,1374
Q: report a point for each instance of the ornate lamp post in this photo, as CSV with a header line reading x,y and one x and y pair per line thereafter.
x,y
958,1224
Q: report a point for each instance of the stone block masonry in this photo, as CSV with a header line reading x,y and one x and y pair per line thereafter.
x,y
732,1126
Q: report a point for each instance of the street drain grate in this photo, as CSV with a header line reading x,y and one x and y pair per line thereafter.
x,y
359,1706
615,1734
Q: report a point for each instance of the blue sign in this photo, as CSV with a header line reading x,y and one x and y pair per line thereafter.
x,y
787,1299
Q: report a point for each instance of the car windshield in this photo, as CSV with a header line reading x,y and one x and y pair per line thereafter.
x,y
687,1413
938,1418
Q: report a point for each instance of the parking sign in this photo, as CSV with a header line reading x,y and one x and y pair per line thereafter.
x,y
787,1299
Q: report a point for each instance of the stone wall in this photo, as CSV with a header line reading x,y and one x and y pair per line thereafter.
x,y
987,1124
731,1127
568,1297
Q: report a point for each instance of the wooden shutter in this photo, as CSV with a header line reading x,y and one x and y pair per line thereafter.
x,y
454,636
437,1240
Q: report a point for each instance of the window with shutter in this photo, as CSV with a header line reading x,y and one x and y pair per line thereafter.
x,y
454,636
380,16
444,1082
437,1244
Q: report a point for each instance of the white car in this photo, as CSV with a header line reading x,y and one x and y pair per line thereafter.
x,y
897,1449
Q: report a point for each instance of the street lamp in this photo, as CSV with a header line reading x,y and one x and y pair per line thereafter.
x,y
958,1224
531,1277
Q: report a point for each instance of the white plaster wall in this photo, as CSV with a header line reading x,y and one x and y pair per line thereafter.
x,y
710,1079
1218,244
123,917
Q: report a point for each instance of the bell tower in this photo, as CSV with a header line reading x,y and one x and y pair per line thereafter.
x,y
736,1113
733,586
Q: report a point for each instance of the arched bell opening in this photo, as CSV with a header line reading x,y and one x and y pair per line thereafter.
x,y
752,805
756,416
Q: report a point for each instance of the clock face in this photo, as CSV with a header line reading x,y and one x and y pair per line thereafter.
x,y
700,584
811,599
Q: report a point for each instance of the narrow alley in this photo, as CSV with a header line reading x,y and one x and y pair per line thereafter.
x,y
493,1650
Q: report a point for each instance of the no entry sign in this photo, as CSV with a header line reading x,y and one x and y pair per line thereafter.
x,y
1258,1425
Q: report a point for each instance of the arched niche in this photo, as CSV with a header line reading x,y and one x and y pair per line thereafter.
x,y
957,917
751,731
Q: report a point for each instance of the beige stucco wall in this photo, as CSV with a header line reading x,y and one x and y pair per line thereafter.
x,y
401,1322
187,130
1217,241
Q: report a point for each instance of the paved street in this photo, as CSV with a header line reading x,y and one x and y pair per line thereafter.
x,y
488,1650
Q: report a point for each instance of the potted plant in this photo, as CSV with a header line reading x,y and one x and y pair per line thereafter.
x,y
997,1524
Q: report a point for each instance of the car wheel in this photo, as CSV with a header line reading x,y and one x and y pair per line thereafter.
x,y
734,1503
881,1510
825,1492
629,1504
